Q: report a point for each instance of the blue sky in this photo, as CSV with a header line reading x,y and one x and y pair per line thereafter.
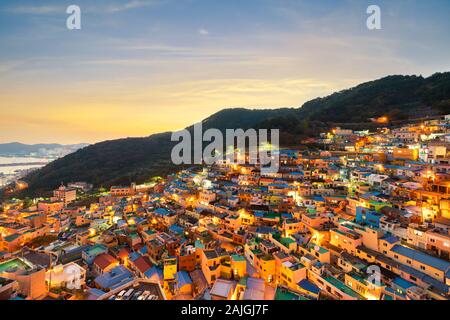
x,y
142,66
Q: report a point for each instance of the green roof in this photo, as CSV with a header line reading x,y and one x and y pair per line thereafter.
x,y
319,249
243,281
199,244
272,215
256,251
286,242
11,237
357,277
341,286
96,249
13,265
283,294
237,257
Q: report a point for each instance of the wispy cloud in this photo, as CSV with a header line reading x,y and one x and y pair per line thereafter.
x,y
139,62
92,8
37,10
134,4
203,32
190,51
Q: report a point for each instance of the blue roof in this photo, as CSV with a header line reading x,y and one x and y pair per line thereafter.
x,y
121,223
318,264
318,199
176,229
289,152
138,219
309,286
444,288
154,271
227,183
402,283
96,292
264,229
422,257
144,250
134,256
182,278
391,239
162,211
199,244
115,278
259,214
280,185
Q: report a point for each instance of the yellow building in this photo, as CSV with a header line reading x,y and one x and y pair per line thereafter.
x,y
170,268
265,264
291,274
347,240
406,154
239,266
363,287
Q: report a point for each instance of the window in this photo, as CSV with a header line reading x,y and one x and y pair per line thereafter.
x,y
422,267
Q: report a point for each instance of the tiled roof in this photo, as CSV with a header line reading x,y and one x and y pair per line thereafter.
x,y
422,257
104,260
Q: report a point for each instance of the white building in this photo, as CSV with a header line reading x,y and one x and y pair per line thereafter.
x,y
70,276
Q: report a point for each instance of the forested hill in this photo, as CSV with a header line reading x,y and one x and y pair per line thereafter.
x,y
138,159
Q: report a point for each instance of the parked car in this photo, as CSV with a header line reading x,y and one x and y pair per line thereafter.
x,y
144,295
121,294
127,295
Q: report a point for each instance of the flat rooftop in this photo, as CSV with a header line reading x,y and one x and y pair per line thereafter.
x,y
140,287
13,265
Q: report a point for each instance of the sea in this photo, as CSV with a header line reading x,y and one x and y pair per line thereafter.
x,y
16,164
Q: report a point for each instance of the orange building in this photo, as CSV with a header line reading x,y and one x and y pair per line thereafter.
x,y
406,154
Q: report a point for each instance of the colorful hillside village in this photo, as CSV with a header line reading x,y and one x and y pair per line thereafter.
x,y
362,216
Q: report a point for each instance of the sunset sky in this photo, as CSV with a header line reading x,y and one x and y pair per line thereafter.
x,y
143,66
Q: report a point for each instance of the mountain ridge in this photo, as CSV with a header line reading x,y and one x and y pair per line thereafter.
x,y
126,160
